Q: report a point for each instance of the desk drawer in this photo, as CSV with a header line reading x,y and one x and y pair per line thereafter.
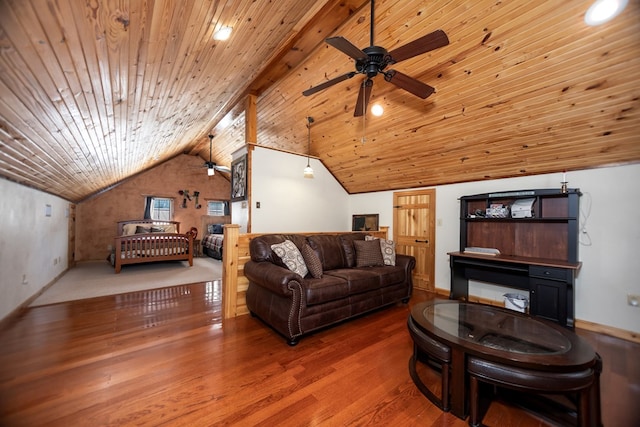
x,y
548,272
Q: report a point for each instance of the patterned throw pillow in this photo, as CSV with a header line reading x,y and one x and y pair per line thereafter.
x,y
313,261
291,257
368,253
388,248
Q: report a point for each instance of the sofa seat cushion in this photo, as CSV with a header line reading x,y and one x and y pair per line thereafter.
x,y
358,279
389,274
328,288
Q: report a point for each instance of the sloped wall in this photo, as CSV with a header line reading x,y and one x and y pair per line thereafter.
x,y
96,217
33,242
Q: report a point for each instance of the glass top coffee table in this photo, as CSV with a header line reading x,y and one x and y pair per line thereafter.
x,y
498,335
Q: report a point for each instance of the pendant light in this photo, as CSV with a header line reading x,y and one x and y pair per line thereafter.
x,y
308,172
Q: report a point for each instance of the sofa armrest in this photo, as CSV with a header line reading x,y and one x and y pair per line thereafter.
x,y
271,276
408,262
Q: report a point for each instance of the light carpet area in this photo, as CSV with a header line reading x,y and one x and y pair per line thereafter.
x,y
97,278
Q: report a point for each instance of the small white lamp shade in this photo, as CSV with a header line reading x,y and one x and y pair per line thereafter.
x,y
308,171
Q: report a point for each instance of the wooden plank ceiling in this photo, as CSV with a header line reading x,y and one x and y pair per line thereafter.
x,y
95,92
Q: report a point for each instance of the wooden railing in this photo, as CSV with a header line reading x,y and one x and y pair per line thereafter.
x,y
235,255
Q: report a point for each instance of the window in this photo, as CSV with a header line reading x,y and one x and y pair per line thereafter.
x,y
217,208
158,208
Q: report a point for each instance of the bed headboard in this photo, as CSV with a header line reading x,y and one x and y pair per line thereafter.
x,y
147,222
208,219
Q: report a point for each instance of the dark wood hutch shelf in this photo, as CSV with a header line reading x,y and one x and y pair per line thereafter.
x,y
537,253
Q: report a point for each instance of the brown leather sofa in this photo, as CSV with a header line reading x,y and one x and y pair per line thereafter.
x,y
294,305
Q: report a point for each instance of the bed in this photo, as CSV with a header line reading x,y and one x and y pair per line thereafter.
x,y
141,241
213,239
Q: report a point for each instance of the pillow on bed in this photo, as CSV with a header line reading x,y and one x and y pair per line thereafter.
x,y
142,230
129,229
157,230
215,229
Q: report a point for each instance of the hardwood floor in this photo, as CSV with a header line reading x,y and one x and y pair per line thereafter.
x,y
166,357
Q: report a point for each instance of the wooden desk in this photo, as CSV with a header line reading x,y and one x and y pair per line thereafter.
x,y
549,282
502,336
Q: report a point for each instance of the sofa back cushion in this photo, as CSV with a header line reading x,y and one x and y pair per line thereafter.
x,y
334,250
260,247
348,247
329,249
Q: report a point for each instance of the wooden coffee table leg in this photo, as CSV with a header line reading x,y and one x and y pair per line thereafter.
x,y
458,384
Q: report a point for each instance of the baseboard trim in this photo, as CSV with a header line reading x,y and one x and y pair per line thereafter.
x,y
608,330
16,311
580,324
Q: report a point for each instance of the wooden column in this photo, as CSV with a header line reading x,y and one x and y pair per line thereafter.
x,y
251,119
250,138
230,270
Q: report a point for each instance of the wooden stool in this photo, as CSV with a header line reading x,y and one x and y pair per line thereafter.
x,y
430,350
584,382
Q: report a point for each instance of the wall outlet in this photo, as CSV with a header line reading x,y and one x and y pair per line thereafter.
x,y
633,300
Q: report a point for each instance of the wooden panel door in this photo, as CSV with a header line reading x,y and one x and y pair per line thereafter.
x,y
414,232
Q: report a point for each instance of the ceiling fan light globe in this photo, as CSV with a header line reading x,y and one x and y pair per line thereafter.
x,y
211,171
377,110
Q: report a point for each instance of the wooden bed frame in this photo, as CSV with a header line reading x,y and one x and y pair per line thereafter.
x,y
152,247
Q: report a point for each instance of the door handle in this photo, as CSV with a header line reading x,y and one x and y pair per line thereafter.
x,y
422,241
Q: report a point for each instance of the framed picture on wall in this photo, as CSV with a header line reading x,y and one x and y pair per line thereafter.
x,y
368,222
239,179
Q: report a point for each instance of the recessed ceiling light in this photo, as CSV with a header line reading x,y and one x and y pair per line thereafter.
x,y
602,11
223,33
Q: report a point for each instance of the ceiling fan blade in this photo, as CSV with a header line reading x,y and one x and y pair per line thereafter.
x,y
419,46
328,83
222,168
409,84
363,98
346,47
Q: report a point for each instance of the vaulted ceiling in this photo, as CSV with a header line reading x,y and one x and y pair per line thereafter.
x,y
94,92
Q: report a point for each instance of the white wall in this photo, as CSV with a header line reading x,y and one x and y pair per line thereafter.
x,y
291,203
609,247
33,247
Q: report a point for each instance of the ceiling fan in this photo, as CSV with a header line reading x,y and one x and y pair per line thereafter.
x,y
210,165
373,60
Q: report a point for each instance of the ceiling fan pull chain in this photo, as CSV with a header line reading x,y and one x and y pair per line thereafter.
x,y
364,126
